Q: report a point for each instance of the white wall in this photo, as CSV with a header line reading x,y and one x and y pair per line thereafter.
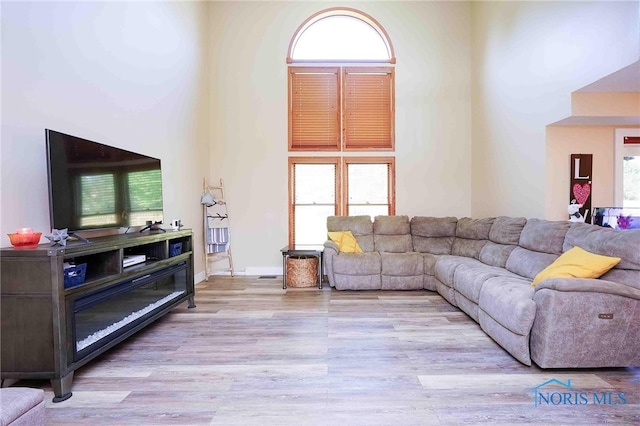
x,y
202,85
127,74
249,42
527,59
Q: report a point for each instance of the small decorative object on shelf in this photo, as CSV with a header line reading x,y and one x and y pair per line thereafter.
x,y
25,238
624,222
574,212
175,249
74,274
58,237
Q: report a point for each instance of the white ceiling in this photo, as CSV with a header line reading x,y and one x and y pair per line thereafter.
x,y
625,80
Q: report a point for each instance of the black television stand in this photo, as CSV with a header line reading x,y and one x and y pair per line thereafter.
x,y
153,227
79,238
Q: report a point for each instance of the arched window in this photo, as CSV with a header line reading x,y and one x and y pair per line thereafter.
x,y
341,96
343,35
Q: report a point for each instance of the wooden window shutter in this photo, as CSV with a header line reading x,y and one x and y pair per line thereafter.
x,y
314,114
368,108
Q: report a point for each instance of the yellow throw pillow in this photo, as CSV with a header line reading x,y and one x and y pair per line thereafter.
x,y
577,263
346,241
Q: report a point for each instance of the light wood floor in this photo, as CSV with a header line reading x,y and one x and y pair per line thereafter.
x,y
254,354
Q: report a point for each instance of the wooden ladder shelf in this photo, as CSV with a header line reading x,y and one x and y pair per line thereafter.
x,y
217,242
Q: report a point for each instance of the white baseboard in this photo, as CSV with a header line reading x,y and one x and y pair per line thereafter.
x,y
250,271
199,277
263,270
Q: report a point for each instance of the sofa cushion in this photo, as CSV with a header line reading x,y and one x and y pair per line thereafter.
x,y
503,238
358,282
507,230
448,293
471,236
514,343
429,263
446,267
392,234
544,236
402,271
474,229
360,226
577,263
345,241
402,264
509,301
391,225
395,282
468,279
609,242
433,245
467,248
22,406
528,263
433,234
495,254
424,226
357,264
392,243
467,306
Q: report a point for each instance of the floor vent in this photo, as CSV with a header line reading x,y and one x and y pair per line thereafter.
x,y
267,277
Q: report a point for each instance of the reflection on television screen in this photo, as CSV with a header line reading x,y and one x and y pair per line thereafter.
x,y
617,217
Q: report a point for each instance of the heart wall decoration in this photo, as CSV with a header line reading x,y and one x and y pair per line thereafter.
x,y
581,185
581,192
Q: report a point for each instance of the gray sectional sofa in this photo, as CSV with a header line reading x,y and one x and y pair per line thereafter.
x,y
485,267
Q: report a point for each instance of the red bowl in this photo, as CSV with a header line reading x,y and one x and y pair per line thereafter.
x,y
25,241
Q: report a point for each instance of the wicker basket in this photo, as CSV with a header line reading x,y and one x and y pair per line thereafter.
x,y
302,271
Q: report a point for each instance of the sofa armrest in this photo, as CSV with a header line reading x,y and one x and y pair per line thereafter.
x,y
330,251
588,285
585,323
330,248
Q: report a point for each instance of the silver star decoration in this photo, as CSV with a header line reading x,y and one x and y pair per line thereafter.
x,y
58,237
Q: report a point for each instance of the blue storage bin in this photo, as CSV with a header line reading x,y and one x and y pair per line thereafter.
x,y
75,275
175,249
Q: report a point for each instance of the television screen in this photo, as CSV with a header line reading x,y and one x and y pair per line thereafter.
x,y
617,217
95,186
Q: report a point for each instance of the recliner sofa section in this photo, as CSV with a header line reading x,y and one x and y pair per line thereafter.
x,y
485,267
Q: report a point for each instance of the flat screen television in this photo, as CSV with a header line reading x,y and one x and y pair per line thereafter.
x,y
96,186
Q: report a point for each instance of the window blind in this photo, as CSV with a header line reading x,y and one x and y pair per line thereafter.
x,y
314,114
368,108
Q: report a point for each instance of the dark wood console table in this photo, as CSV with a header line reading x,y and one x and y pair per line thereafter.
x,y
49,330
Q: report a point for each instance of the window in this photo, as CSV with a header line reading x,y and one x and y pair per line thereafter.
x,y
143,199
341,35
102,202
369,186
627,168
325,186
313,197
97,199
341,98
